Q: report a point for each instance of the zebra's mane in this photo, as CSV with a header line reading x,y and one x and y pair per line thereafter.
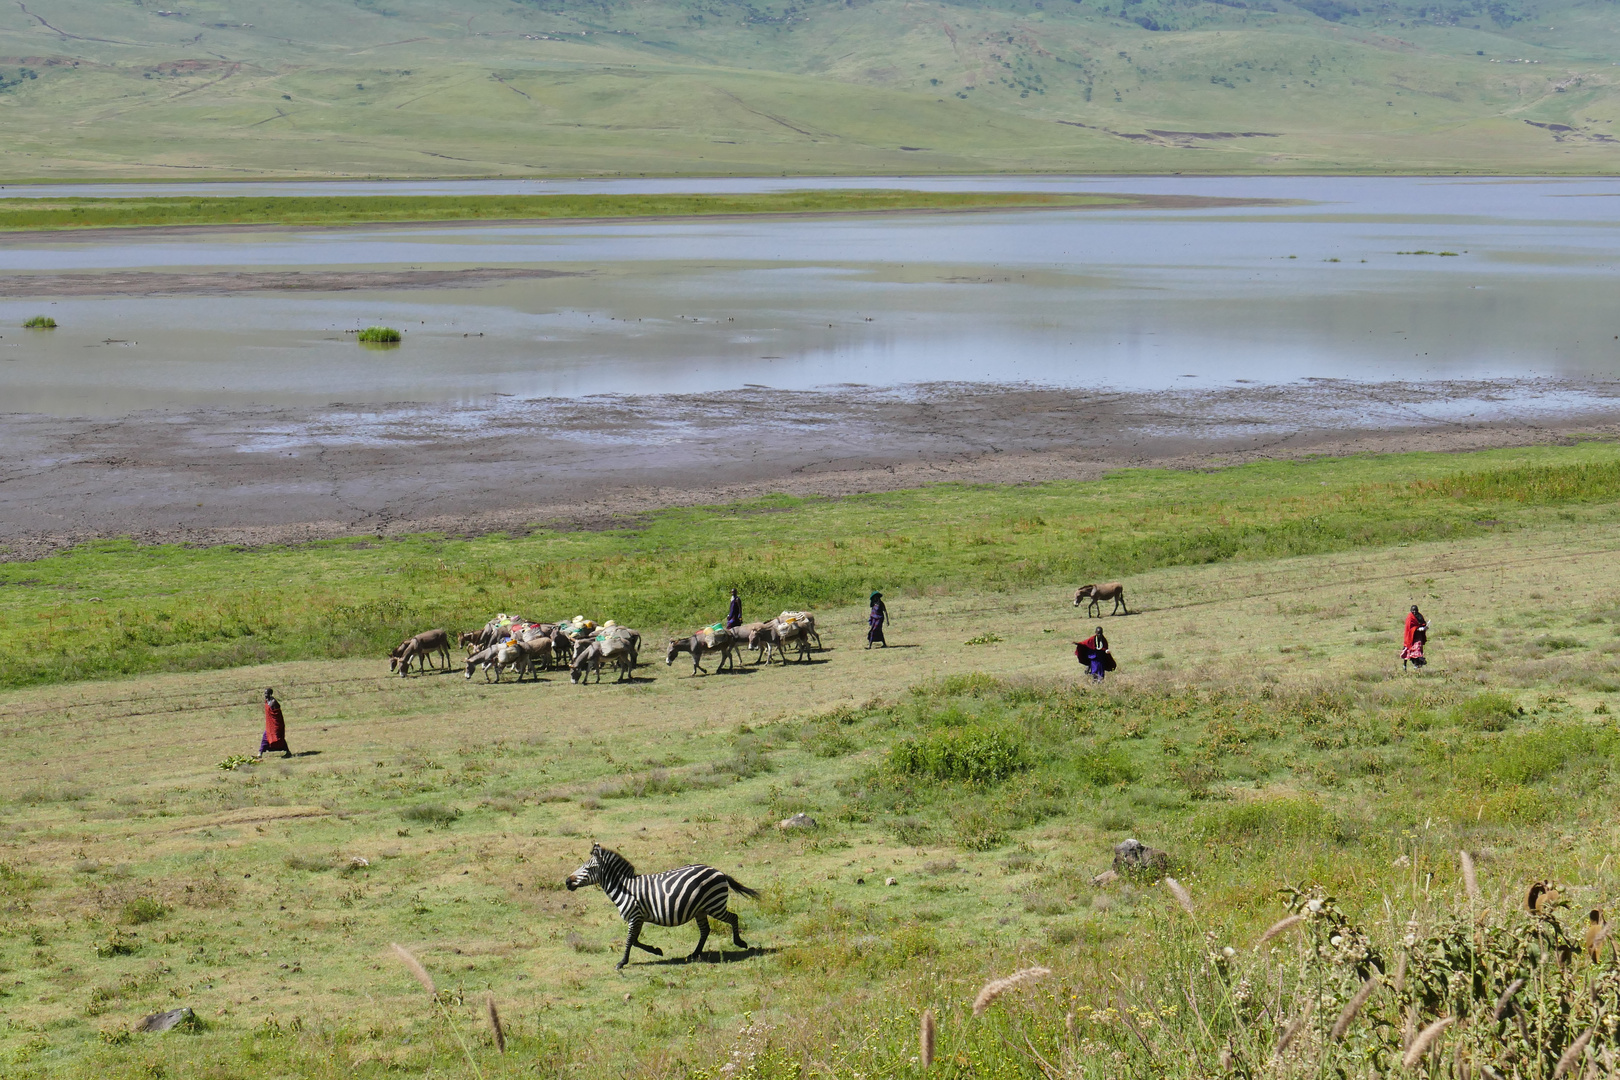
x,y
613,863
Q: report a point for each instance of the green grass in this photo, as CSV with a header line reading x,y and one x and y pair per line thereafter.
x,y
475,87
75,213
40,322
379,335
115,608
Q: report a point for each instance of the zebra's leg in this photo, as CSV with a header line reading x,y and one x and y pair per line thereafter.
x,y
703,935
730,918
633,940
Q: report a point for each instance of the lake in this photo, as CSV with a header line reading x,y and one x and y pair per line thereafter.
x,y
1106,299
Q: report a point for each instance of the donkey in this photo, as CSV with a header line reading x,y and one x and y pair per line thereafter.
x,y
701,643
421,649
773,637
1096,594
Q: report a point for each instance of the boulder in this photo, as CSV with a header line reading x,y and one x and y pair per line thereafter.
x,y
1132,855
797,821
163,1021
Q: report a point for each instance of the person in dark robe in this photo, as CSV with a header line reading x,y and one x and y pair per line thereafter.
x,y
734,612
875,622
1417,635
1093,653
275,726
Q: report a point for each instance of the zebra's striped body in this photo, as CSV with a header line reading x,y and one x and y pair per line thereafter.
x,y
672,898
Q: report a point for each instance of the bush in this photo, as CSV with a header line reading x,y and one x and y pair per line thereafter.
x,y
381,335
144,909
973,754
40,322
1487,712
431,814
1283,818
1105,765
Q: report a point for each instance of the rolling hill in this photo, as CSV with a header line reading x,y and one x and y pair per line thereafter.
x,y
221,88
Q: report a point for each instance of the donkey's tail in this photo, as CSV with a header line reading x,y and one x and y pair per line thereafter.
x,y
739,887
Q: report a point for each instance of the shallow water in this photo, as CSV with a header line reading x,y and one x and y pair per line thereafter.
x,y
1128,299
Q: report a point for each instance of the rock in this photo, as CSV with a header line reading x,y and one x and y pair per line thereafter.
x,y
797,821
891,881
1131,854
163,1021
1107,877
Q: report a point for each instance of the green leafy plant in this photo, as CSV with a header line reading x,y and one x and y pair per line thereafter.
x,y
976,755
380,335
40,322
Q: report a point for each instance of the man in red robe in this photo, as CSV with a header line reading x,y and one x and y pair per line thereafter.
x,y
1417,633
275,726
1094,654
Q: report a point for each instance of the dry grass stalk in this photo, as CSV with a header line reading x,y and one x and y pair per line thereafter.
x,y
414,966
1278,927
1505,1002
494,1015
1399,981
1293,1029
1348,1016
925,1039
1573,1054
1179,891
1470,879
1069,1029
1426,1038
996,987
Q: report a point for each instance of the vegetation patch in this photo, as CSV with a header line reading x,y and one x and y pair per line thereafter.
x,y
380,335
40,322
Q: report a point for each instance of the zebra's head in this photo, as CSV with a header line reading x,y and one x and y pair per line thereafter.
x,y
603,865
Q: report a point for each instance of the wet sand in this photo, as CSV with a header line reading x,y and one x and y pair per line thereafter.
x,y
278,475
226,283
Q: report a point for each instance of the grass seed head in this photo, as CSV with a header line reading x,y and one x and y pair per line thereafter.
x,y
1279,927
1426,1038
1470,879
418,972
1179,891
1573,1054
996,987
1505,1002
1348,1016
495,1028
925,1038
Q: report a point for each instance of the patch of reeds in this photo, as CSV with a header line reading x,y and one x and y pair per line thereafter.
x,y
380,335
40,322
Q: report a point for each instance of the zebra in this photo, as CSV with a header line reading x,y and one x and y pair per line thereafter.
x,y
672,898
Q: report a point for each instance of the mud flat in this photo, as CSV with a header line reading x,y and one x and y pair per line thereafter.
x,y
255,476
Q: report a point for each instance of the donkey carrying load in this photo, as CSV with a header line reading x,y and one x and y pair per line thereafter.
x,y
616,648
709,639
672,898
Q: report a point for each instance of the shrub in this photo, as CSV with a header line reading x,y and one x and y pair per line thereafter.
x,y
144,909
1288,817
1104,765
431,814
1487,712
972,754
40,322
381,335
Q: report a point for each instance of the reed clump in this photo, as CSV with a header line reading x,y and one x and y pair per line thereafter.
x,y
380,335
40,322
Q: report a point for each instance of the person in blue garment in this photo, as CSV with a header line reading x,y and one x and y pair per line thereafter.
x,y
1093,653
734,612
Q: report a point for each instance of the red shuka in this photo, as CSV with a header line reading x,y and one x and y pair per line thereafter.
x,y
1412,625
275,726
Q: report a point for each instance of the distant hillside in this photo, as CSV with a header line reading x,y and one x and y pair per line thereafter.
x,y
484,87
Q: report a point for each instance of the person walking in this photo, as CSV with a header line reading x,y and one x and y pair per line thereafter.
x,y
734,612
1417,635
875,622
1093,653
275,726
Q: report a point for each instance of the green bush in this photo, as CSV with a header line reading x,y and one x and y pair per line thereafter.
x,y
976,755
1487,712
381,335
40,322
431,814
1288,817
1104,765
144,909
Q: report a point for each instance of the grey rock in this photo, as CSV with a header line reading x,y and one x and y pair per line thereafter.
x,y
797,821
163,1021
1132,854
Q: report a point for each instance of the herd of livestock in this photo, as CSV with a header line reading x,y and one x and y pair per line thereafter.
x,y
526,647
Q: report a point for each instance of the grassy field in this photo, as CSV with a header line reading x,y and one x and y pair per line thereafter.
x,y
1260,729
485,87
35,214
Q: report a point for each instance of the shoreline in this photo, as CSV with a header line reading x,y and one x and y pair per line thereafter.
x,y
271,476
1125,202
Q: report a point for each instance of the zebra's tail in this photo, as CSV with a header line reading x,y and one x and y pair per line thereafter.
x,y
739,887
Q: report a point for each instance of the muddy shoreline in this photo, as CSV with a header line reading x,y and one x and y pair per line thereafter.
x,y
287,475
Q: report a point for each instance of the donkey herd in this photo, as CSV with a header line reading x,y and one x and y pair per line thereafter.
x,y
508,643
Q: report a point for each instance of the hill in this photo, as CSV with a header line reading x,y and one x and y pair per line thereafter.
x,y
93,88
